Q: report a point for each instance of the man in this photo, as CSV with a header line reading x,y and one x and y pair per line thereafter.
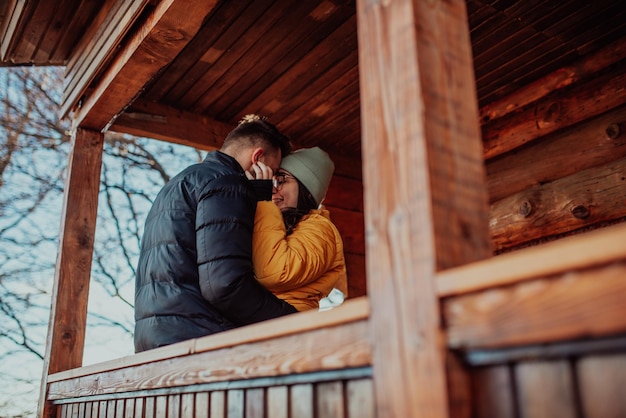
x,y
195,274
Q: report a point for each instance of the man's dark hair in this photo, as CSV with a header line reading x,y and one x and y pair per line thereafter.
x,y
257,131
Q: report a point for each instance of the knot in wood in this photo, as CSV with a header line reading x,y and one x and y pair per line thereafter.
x,y
613,131
525,209
580,212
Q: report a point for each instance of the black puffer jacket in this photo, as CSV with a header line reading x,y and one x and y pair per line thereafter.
x,y
195,274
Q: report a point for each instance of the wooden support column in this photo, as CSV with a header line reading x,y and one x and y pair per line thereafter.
x,y
68,312
424,188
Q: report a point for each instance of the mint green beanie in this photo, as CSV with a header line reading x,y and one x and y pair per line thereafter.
x,y
313,168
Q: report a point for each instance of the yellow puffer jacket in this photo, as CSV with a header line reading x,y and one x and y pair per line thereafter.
x,y
303,267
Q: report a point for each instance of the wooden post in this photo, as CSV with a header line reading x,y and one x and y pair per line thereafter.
x,y
68,312
424,188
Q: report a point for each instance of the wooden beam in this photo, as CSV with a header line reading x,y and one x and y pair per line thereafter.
x,y
425,197
588,144
586,198
96,48
68,313
557,111
593,248
573,305
153,120
563,77
304,342
15,11
167,30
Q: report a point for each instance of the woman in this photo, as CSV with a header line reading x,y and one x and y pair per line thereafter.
x,y
297,250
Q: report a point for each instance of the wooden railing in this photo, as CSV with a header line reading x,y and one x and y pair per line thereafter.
x,y
557,302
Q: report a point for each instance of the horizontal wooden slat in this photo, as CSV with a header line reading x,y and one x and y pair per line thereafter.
x,y
586,198
558,111
578,304
589,144
163,35
555,81
576,252
350,311
153,120
341,347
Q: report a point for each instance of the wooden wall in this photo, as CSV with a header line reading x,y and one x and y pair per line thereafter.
x,y
556,152
344,200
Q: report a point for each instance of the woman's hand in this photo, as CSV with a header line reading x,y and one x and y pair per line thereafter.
x,y
260,171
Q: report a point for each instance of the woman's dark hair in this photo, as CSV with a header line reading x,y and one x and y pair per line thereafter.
x,y
306,203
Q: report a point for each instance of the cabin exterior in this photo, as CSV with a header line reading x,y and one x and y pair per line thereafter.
x,y
480,190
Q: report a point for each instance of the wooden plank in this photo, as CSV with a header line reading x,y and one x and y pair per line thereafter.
x,y
119,408
577,304
351,311
546,390
129,409
330,400
201,408
326,349
345,193
173,406
218,404
459,387
601,380
586,145
278,402
193,61
554,112
494,394
152,48
567,349
235,403
66,329
571,253
149,409
255,403
350,225
153,120
13,25
97,48
301,401
160,407
425,196
360,398
590,197
563,77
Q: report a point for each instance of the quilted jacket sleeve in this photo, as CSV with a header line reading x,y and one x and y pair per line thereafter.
x,y
224,225
284,263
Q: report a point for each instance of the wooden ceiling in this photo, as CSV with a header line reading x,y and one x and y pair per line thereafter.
x,y
296,61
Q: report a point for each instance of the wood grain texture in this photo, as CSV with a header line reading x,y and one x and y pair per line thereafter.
x,y
325,349
545,390
360,398
576,304
559,79
494,392
301,401
558,111
572,253
589,197
425,199
591,143
351,311
66,329
602,380
330,400
164,34
278,402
